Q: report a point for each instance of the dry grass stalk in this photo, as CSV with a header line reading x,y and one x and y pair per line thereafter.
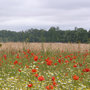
x,y
51,46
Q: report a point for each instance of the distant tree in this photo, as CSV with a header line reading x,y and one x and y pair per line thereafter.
x,y
54,34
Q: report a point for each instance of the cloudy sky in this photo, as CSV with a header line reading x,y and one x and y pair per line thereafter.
x,y
19,15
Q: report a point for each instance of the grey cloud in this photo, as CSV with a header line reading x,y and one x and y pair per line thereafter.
x,y
69,4
18,14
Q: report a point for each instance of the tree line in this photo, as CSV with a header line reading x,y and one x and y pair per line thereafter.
x,y
54,34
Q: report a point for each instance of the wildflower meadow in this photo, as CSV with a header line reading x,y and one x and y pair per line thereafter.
x,y
44,70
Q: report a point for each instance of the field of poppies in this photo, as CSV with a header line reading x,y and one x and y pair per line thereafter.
x,y
44,70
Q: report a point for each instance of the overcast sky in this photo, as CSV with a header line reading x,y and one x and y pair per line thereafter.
x,y
24,14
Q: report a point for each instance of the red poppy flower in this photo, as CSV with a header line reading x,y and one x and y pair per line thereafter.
x,y
54,83
75,65
37,66
66,61
19,70
38,63
28,51
75,77
32,54
74,57
5,56
41,56
35,58
80,64
41,78
66,56
59,60
55,63
15,62
53,78
81,73
17,56
86,70
19,63
24,53
27,66
36,75
34,70
49,87
73,61
29,85
49,62
47,59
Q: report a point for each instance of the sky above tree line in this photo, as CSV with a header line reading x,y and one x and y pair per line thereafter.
x,y
19,15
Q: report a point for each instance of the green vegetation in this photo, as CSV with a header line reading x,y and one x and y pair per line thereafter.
x,y
31,70
52,35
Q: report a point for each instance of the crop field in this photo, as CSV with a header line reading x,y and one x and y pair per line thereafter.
x,y
44,66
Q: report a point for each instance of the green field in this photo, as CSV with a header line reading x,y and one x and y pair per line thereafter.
x,y
40,70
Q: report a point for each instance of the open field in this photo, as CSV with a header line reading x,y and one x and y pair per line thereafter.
x,y
44,66
46,46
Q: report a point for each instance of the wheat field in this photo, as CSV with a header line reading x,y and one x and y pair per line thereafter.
x,y
45,46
